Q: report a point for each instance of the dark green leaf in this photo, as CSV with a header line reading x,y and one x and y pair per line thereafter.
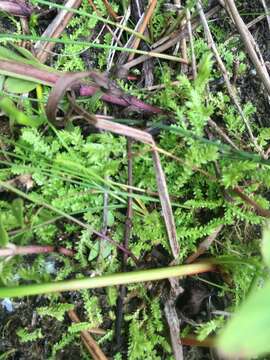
x,y
19,86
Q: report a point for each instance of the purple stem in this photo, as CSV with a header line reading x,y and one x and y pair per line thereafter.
x,y
34,249
50,78
86,90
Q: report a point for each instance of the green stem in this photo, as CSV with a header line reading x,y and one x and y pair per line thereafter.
x,y
106,280
10,37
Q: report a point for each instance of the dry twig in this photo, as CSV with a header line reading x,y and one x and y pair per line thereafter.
x,y
110,10
193,57
250,44
204,245
174,326
222,68
90,344
222,134
146,18
182,43
169,41
55,29
127,235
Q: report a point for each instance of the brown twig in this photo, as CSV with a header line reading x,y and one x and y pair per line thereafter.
x,y
110,10
55,29
147,16
222,133
170,40
249,25
204,245
127,235
90,344
105,221
259,210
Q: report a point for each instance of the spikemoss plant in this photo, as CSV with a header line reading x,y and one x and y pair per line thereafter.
x,y
73,172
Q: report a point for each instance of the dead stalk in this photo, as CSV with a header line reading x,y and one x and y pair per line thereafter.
x,y
250,44
191,44
204,245
146,18
90,344
222,68
55,29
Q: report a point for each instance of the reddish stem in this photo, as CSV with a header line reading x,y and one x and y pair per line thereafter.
x,y
35,249
192,341
50,78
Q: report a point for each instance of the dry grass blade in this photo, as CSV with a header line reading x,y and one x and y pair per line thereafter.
x,y
91,345
204,245
16,8
166,204
147,16
110,10
55,29
249,43
174,326
171,40
61,86
191,44
13,250
266,12
112,126
23,71
222,68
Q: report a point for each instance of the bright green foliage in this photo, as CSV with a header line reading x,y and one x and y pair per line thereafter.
x,y
29,336
145,334
92,309
210,327
16,116
57,311
73,171
62,343
78,327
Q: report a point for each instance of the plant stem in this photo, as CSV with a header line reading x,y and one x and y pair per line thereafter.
x,y
106,280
